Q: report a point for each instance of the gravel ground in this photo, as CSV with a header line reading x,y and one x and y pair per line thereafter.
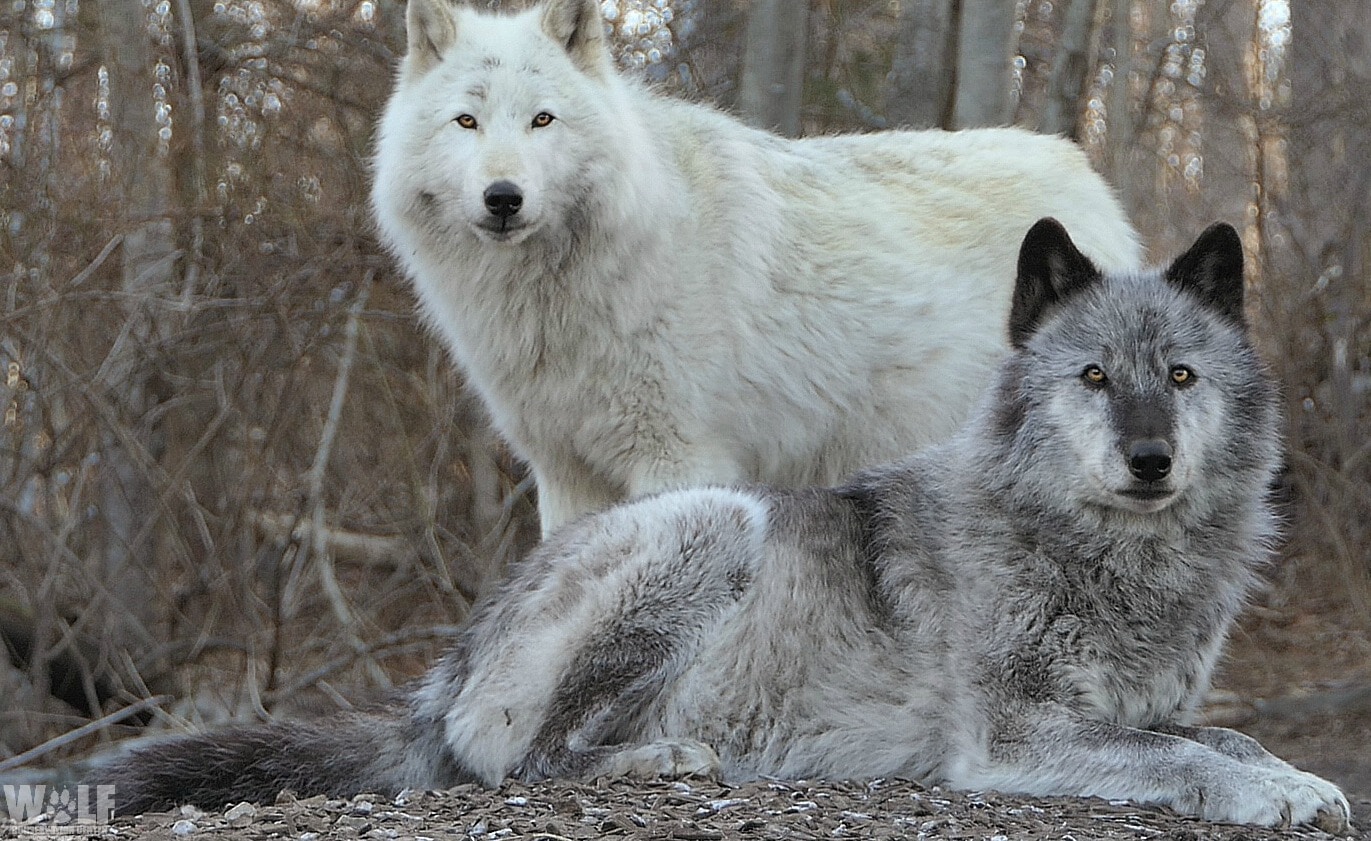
x,y
689,810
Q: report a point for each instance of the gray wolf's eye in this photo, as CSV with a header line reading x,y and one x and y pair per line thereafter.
x,y
1181,375
543,119
465,121
1094,375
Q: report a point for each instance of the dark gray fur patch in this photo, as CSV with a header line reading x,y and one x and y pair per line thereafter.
x,y
346,755
616,674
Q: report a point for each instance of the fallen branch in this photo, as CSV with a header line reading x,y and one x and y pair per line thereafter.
x,y
84,730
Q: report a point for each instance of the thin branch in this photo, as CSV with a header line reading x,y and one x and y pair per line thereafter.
x,y
84,275
81,732
194,90
318,543
397,643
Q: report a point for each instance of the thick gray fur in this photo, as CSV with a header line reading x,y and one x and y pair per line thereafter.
x,y
1035,606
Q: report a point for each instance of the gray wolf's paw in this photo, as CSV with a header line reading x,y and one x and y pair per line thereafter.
x,y
1279,798
666,758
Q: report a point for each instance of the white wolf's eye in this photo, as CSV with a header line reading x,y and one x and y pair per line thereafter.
x,y
1094,375
465,121
542,119
1181,375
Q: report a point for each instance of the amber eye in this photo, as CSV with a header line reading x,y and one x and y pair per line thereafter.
x,y
465,121
1181,375
543,119
1094,375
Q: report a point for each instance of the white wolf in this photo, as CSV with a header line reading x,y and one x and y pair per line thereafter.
x,y
1033,606
647,294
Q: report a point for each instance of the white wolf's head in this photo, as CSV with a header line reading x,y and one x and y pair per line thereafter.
x,y
1133,392
501,125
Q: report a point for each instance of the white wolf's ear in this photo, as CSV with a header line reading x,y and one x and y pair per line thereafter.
x,y
1051,269
577,26
1212,269
432,28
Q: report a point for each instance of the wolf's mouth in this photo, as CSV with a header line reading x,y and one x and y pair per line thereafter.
x,y
500,230
1148,493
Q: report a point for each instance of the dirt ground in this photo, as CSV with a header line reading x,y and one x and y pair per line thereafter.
x,y
691,810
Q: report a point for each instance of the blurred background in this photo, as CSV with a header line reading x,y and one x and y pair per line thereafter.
x,y
237,473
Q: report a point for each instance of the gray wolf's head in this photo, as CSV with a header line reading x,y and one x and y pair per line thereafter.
x,y
1135,392
500,123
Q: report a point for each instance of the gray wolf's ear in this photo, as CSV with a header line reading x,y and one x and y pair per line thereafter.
x,y
1051,269
576,25
432,29
1212,270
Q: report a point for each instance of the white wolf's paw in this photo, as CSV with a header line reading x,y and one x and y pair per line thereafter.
x,y
666,758
1281,798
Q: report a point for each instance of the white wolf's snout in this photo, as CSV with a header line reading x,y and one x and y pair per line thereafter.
x,y
501,209
502,202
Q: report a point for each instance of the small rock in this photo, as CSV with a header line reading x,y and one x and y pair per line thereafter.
x,y
717,806
183,827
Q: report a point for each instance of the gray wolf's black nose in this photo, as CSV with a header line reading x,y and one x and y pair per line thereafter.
x,y
1149,459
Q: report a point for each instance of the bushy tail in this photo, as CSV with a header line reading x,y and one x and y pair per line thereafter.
x,y
383,751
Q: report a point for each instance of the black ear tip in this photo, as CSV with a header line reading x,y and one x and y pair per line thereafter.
x,y
1047,224
1212,268
1223,238
1051,269
1046,230
1047,236
1220,247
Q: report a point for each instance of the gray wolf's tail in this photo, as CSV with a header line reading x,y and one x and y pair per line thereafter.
x,y
382,751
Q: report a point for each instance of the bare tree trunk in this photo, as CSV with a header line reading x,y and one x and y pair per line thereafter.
x,y
985,41
129,443
1331,70
919,87
24,398
1123,126
1326,274
1070,71
772,85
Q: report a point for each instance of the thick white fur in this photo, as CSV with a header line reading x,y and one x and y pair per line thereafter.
x,y
688,300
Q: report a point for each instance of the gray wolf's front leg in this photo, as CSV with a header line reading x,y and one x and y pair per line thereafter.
x,y
1230,743
1216,776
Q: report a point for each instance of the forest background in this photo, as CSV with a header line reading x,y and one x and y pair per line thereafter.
x,y
238,477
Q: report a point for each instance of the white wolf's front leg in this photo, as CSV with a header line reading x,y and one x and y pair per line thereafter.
x,y
567,490
1060,753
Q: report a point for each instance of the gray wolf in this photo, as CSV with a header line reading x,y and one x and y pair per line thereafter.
x,y
648,294
1034,606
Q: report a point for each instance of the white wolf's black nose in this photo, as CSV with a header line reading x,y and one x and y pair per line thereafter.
x,y
1149,459
503,199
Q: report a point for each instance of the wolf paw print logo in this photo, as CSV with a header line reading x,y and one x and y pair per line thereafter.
x,y
62,806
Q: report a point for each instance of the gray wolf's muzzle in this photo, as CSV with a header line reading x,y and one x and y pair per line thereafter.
x,y
1149,459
